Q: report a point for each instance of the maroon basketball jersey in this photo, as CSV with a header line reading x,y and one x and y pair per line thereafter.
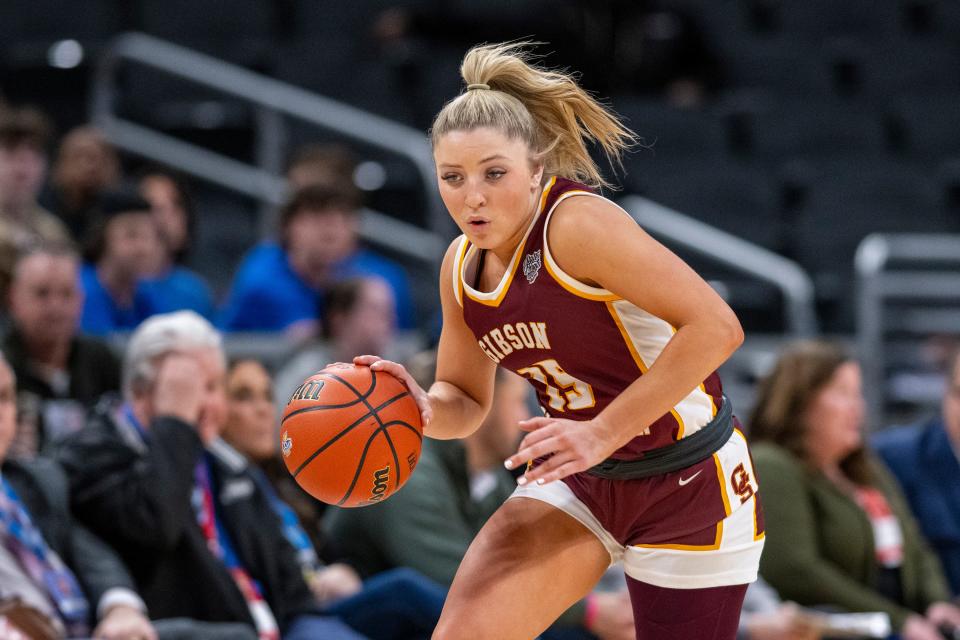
x,y
579,346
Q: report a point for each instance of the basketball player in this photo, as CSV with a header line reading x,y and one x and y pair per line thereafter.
x,y
636,458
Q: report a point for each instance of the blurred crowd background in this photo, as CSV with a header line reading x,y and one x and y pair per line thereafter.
x,y
264,165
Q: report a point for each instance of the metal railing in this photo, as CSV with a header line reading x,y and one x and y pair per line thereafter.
x,y
272,99
737,254
912,268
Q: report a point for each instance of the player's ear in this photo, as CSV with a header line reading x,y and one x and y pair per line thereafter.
x,y
536,175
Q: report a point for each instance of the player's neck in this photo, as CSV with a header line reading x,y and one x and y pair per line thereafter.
x,y
505,251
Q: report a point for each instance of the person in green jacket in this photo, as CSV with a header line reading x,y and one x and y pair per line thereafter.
x,y
838,530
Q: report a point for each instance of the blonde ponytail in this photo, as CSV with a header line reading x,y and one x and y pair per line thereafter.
x,y
547,109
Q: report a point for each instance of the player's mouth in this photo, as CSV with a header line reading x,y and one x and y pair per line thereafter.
x,y
477,223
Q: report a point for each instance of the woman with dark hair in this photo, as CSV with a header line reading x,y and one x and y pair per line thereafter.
x,y
391,605
174,287
839,532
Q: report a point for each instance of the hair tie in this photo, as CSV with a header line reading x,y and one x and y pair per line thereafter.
x,y
478,85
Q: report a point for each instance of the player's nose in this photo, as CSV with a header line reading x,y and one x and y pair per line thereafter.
x,y
475,198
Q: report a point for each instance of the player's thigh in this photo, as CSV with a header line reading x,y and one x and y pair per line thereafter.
x,y
528,564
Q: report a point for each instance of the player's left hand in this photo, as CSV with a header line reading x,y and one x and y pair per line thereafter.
x,y
575,446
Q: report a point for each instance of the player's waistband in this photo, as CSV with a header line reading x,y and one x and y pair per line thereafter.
x,y
673,457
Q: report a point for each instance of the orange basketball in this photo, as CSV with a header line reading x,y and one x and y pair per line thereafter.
x,y
350,436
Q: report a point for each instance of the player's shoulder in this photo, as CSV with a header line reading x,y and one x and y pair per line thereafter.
x,y
453,251
586,216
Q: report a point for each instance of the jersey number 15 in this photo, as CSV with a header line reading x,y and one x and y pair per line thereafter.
x,y
565,391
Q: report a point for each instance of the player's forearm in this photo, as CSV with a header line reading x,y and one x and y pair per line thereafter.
x,y
455,413
694,352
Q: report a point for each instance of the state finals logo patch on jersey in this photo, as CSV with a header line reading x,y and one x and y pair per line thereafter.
x,y
531,266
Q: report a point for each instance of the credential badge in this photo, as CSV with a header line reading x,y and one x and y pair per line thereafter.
x,y
531,266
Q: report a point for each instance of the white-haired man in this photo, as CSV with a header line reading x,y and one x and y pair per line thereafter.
x,y
148,474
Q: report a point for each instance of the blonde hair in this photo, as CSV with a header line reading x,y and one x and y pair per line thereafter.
x,y
546,109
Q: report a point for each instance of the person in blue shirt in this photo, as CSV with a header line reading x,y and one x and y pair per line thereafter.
x,y
120,251
926,460
279,284
173,286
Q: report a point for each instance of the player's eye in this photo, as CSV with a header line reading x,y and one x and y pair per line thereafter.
x,y
495,174
450,177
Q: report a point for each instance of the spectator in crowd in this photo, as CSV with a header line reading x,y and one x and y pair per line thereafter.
x,y
173,286
457,485
66,579
278,286
359,317
85,167
60,373
397,604
121,251
838,530
148,474
926,460
24,135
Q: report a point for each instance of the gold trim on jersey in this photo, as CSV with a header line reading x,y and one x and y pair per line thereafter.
x,y
495,297
563,278
458,267
688,547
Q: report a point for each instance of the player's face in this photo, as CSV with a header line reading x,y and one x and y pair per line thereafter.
x,y
489,184
835,418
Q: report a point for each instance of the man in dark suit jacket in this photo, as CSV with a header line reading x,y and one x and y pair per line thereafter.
x,y
39,488
926,460
199,537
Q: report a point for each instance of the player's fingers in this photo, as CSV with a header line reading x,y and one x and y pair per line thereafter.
x,y
532,424
365,360
426,410
553,469
525,447
400,372
538,450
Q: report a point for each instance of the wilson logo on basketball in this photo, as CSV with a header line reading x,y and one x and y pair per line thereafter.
x,y
286,445
381,478
309,390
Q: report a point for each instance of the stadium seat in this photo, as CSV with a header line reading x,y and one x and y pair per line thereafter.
x,y
241,31
739,199
821,18
879,70
784,65
847,200
770,127
29,27
927,126
670,133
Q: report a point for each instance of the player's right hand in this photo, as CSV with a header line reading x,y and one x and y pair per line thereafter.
x,y
400,372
